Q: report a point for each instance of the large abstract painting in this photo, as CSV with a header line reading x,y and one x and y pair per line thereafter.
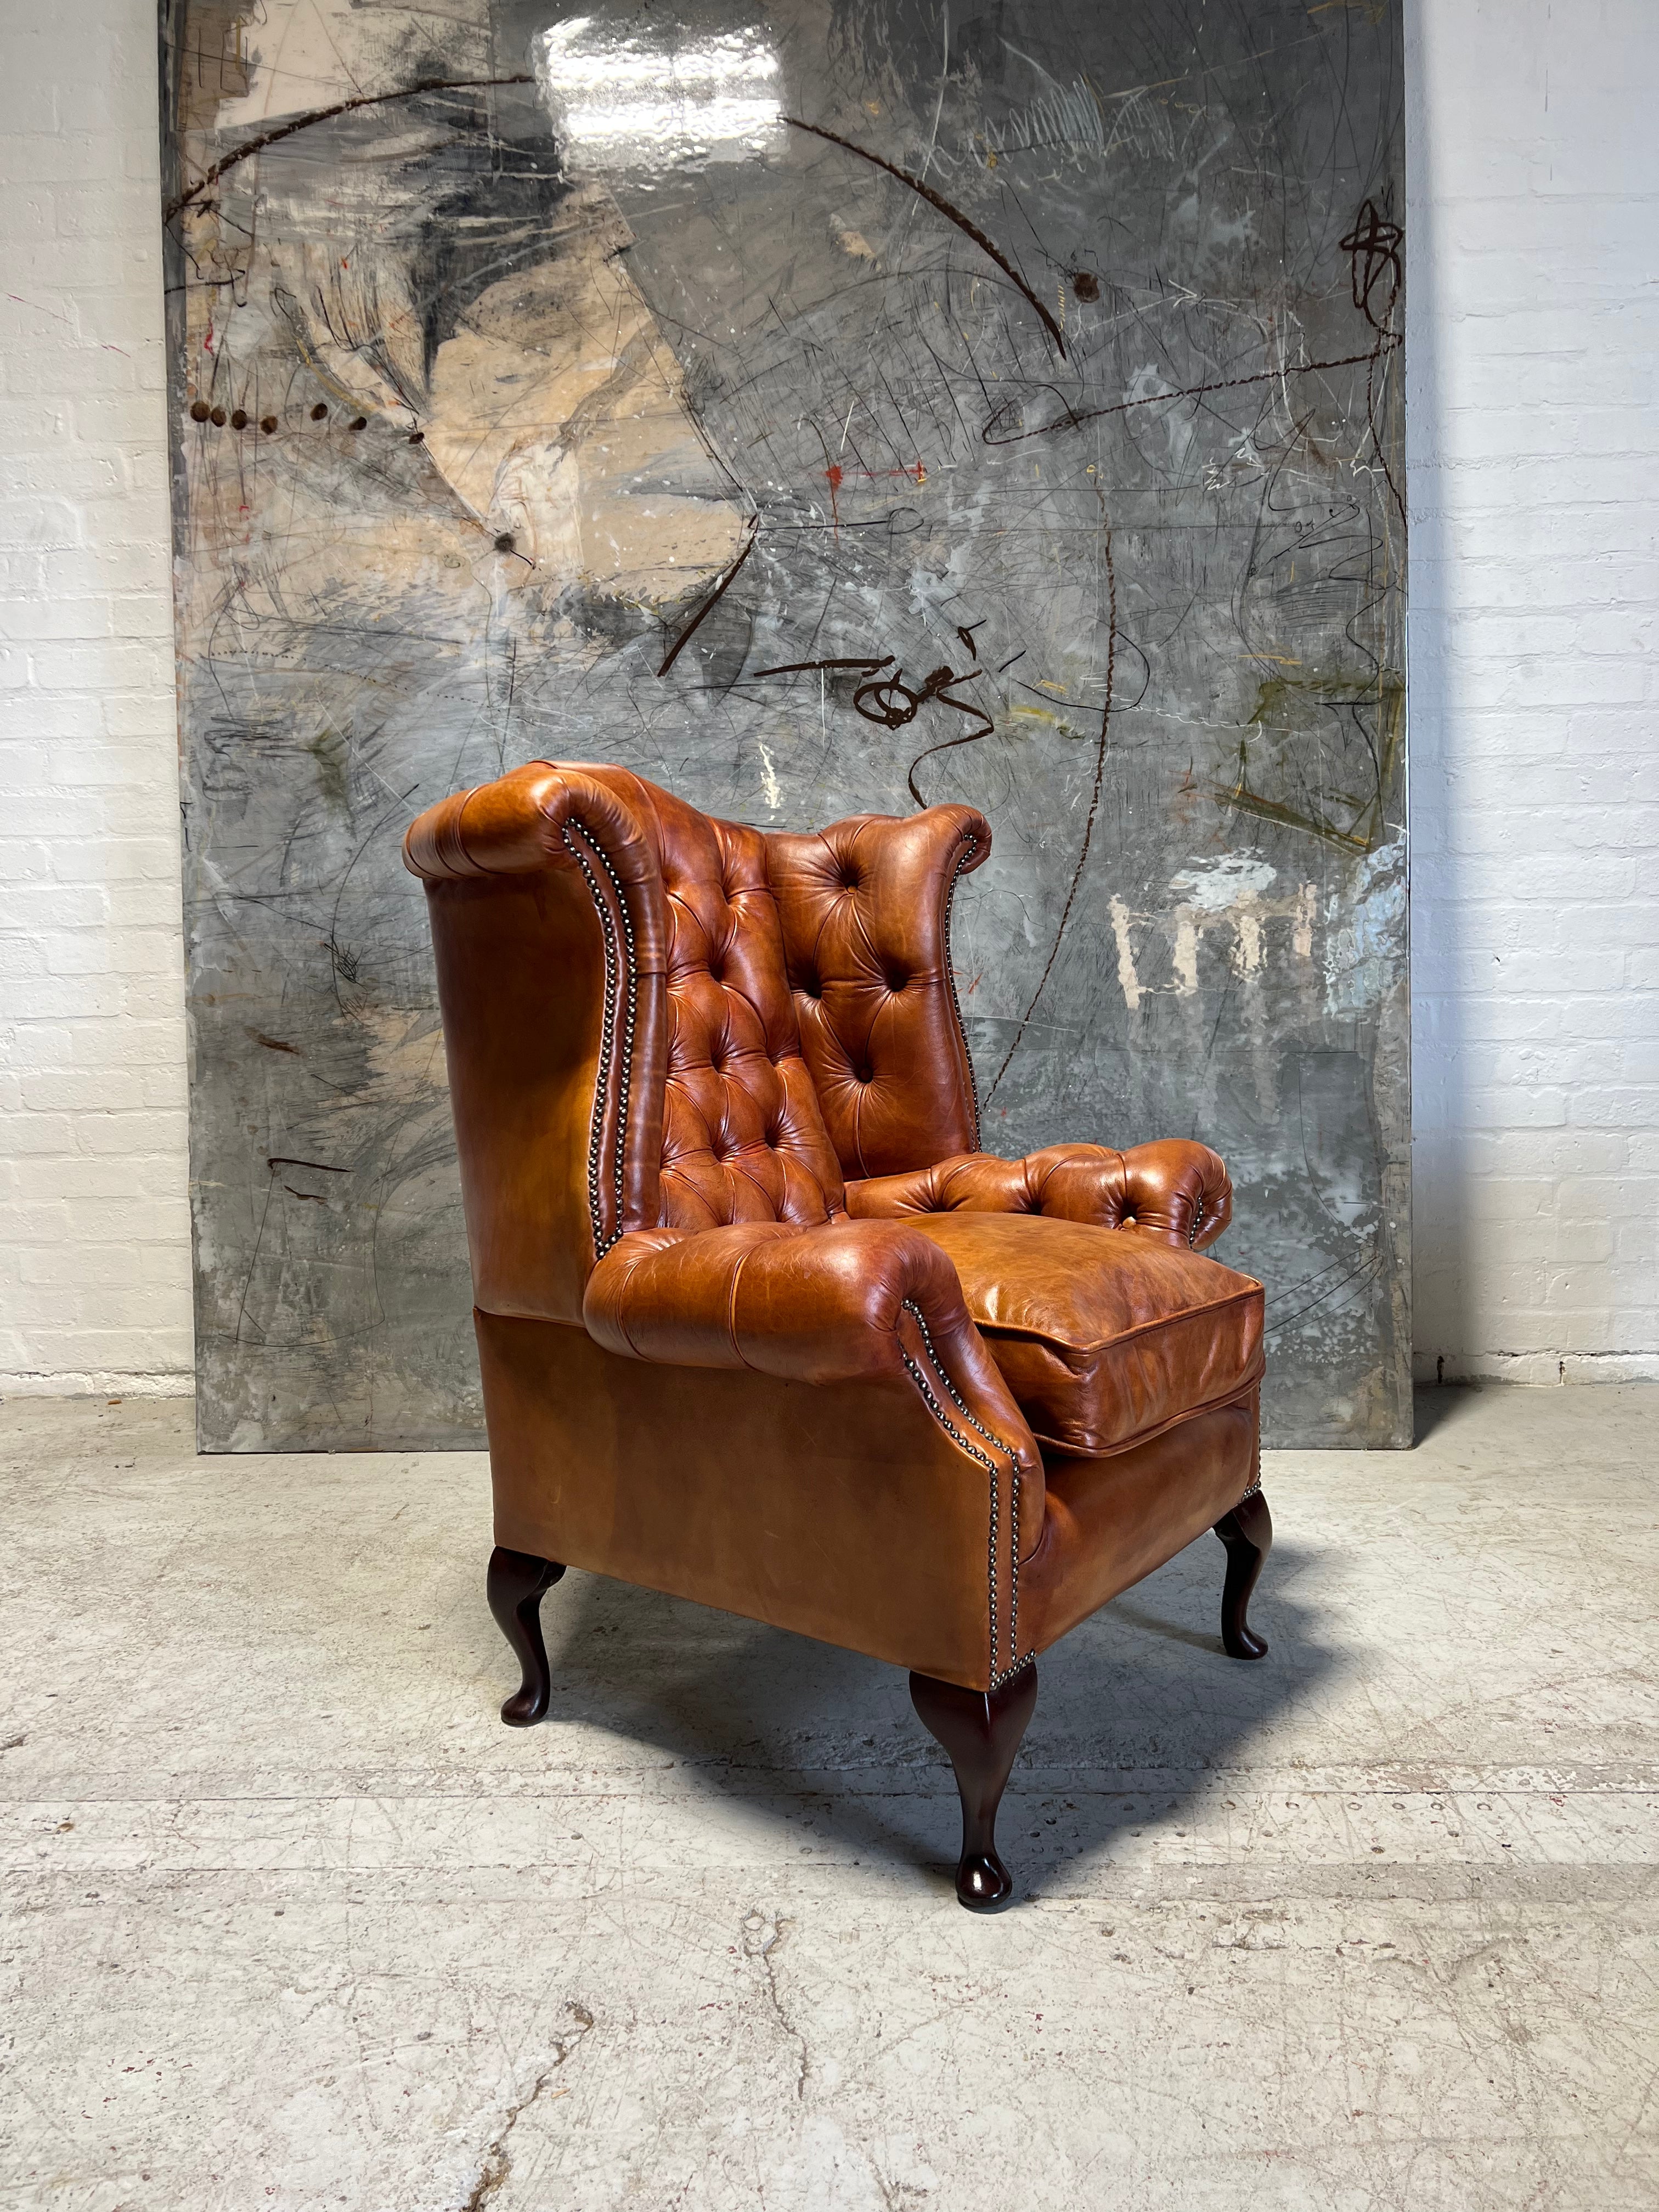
x,y
840,407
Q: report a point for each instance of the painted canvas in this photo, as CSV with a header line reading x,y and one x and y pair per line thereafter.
x,y
840,406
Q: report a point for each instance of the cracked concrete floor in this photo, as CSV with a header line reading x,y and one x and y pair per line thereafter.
x,y
291,1921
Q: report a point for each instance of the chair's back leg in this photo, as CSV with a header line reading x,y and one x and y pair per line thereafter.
x,y
1247,1533
517,1581
981,1730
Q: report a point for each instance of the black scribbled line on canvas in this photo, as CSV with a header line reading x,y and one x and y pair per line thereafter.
x,y
964,223
1373,250
1089,825
210,177
1073,417
803,667
275,1161
892,702
713,599
1355,1280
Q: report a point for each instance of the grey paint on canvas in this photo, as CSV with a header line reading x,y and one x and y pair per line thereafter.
x,y
578,348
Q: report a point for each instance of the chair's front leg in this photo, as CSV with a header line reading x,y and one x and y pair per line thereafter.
x,y
981,1730
517,1581
1247,1533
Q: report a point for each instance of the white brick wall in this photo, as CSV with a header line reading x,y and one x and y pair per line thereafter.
x,y
1533,422
95,1234
1535,487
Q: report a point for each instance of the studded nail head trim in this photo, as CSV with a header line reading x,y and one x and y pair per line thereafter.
x,y
616,959
964,858
998,1676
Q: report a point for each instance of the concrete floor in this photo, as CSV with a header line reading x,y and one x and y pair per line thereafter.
x,y
291,1921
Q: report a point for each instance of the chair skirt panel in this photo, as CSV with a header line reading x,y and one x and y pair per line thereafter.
x,y
1109,1522
840,1511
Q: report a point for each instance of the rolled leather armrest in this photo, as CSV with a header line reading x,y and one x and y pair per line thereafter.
x,y
1174,1191
849,1302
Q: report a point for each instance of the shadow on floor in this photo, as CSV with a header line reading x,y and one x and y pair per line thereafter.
x,y
1442,1405
1137,1709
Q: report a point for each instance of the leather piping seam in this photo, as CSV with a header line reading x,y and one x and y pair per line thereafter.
x,y
602,1243
453,833
732,1310
620,1325
963,860
967,1444
1255,1488
1029,1334
1235,1396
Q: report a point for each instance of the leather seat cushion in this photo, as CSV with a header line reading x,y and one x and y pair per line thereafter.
x,y
1104,1339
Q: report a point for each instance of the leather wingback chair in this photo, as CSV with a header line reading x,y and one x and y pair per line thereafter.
x,y
759,1323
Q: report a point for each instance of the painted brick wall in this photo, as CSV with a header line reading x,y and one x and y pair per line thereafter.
x,y
1533,421
95,1234
1534,488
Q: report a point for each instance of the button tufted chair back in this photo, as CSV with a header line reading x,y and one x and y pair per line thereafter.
x,y
813,1030
865,907
655,1019
743,1137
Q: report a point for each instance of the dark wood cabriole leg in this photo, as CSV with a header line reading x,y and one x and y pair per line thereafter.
x,y
981,1730
517,1581
1247,1533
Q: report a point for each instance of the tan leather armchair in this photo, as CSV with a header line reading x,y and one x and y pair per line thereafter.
x,y
759,1323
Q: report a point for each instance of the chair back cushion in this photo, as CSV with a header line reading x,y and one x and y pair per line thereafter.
x,y
865,906
743,1137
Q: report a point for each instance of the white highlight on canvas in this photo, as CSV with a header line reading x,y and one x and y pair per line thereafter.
x,y
1228,893
653,105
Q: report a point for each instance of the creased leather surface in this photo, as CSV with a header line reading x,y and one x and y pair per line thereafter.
x,y
852,1299
864,909
1174,1191
517,824
743,1136
840,1510
1101,1339
837,1509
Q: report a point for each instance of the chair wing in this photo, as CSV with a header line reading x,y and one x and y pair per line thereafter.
x,y
546,906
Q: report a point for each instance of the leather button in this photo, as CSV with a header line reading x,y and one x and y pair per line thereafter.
x,y
896,982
